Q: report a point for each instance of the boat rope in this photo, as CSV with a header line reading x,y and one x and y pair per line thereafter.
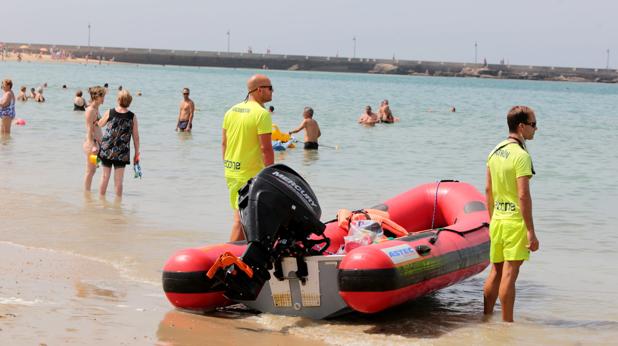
x,y
435,201
435,205
433,239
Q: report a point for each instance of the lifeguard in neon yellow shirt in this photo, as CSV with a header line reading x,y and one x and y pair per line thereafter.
x,y
512,234
246,142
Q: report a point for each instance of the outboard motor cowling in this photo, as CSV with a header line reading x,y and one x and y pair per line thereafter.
x,y
278,211
275,200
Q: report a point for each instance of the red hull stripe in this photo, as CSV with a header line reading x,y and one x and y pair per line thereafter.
x,y
380,280
190,282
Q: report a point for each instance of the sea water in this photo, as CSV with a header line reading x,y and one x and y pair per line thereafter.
x,y
566,293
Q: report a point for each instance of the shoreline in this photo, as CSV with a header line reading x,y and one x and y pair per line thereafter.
x,y
320,63
55,297
46,58
70,294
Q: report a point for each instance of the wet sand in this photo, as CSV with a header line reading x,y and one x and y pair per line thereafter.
x,y
50,297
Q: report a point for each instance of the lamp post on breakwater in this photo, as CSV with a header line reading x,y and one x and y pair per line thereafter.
x,y
607,65
475,49
89,49
228,40
354,52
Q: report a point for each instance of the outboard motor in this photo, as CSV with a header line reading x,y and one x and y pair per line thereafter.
x,y
279,212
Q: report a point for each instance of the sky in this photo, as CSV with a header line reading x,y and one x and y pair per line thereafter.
x,y
524,32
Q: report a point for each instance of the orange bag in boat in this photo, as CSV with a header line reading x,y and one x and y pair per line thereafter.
x,y
345,217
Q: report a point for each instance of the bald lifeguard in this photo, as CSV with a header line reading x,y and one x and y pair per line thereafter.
x,y
246,142
259,89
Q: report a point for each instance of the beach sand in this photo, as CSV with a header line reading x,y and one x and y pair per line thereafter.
x,y
47,58
50,297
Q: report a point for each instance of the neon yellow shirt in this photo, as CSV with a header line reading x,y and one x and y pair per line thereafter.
x,y
243,123
506,165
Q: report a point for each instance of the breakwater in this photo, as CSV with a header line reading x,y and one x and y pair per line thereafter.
x,y
322,63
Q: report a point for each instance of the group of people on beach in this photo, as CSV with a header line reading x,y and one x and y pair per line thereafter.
x,y
247,149
35,94
79,102
111,148
7,104
385,115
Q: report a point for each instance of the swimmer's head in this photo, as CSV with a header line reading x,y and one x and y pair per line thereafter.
x,y
271,109
186,91
308,112
368,108
23,88
79,93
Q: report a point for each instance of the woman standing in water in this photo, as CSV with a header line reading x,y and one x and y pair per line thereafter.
x,y
7,107
93,132
120,125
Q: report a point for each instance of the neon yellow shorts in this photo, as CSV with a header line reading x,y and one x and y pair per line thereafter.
x,y
234,185
509,239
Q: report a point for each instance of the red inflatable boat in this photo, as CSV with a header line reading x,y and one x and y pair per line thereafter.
x,y
442,239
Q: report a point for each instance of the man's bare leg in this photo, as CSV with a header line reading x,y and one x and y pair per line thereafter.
x,y
491,289
237,233
507,289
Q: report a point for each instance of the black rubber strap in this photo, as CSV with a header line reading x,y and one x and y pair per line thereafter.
x,y
434,239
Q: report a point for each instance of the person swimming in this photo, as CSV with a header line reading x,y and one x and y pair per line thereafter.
x,y
385,115
39,95
79,104
368,117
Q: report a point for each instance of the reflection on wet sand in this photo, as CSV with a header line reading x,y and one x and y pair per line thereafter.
x,y
222,327
91,290
426,317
